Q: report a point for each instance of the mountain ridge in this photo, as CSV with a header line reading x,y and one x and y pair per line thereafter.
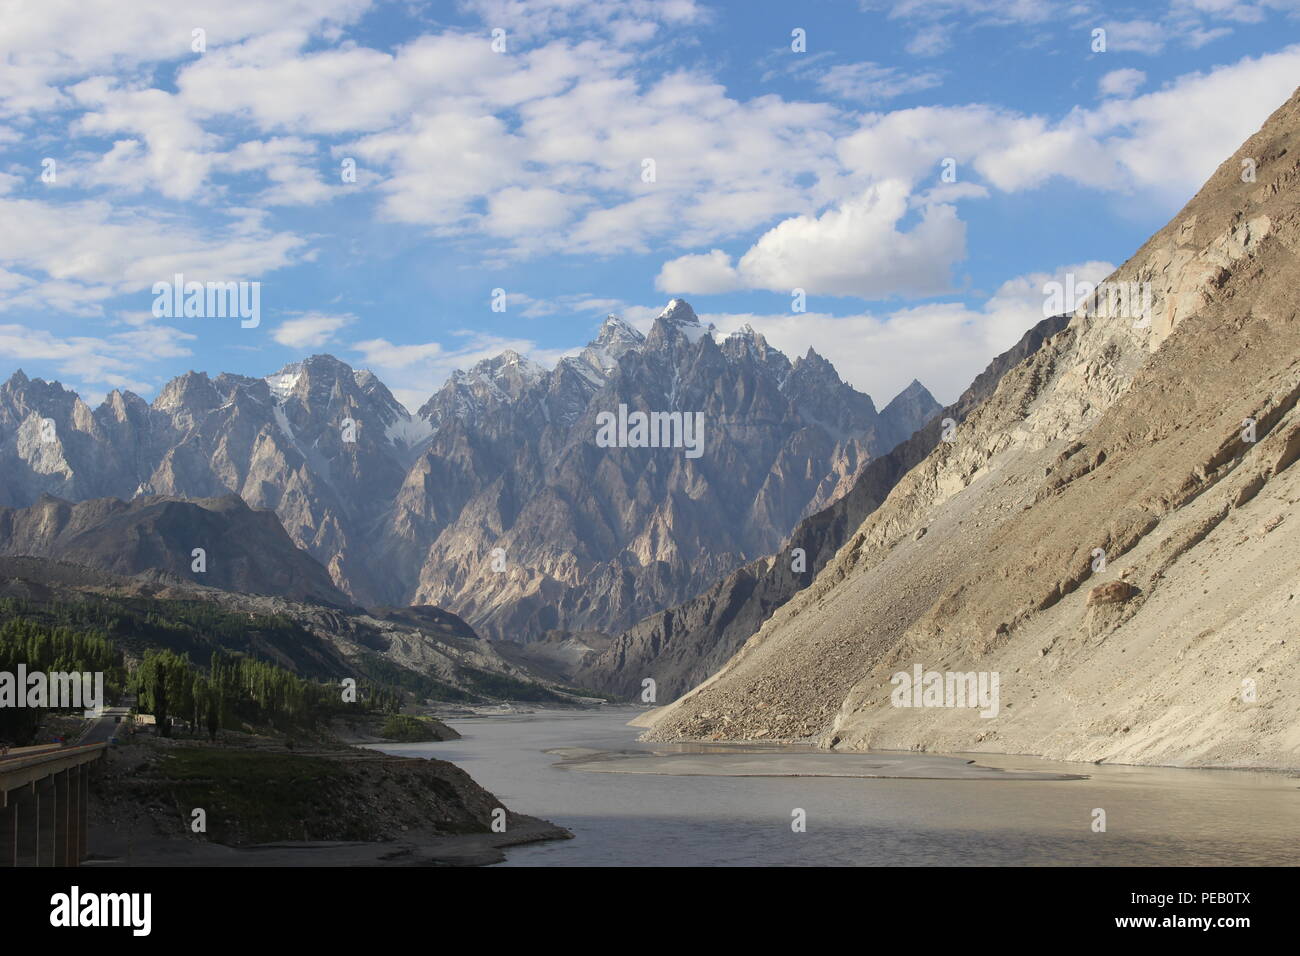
x,y
406,508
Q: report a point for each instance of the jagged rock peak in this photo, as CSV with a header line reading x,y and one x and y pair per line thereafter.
x,y
615,331
325,359
679,319
614,340
313,365
914,388
506,361
813,362
120,400
678,312
325,367
185,389
914,405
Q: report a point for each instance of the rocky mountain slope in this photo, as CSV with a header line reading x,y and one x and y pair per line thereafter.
x,y
279,443
596,538
1120,439
681,646
495,500
239,549
429,652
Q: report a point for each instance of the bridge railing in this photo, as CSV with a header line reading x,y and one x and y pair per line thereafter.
x,y
43,800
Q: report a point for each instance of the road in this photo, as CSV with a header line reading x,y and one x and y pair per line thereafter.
x,y
99,731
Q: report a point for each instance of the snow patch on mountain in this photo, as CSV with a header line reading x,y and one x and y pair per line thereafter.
x,y
282,421
282,383
409,431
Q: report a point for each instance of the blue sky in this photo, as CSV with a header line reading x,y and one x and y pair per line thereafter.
x,y
522,169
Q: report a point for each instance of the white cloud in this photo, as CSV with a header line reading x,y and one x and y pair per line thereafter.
x,y
178,157
857,248
77,254
514,210
626,21
1189,22
474,155
1165,143
581,303
945,345
45,44
722,167
541,151
930,41
873,83
111,361
1169,142
705,274
285,162
1123,83
311,331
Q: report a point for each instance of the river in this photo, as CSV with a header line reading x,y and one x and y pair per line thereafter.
x,y
1153,816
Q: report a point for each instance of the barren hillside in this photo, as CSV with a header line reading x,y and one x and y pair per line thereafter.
x,y
1116,435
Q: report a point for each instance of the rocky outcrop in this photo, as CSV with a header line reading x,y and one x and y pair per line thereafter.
x,y
1150,450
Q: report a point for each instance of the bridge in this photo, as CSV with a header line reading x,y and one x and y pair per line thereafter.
x,y
44,793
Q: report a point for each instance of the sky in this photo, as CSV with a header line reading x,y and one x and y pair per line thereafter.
x,y
917,168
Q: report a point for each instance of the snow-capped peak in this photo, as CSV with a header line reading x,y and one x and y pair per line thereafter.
x,y
678,312
615,329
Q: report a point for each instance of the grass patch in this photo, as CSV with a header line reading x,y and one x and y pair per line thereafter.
x,y
253,797
408,729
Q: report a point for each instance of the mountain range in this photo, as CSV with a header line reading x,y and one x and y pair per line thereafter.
x,y
493,500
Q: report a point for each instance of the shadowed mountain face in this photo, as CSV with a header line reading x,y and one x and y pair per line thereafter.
x,y
1105,530
495,501
240,549
426,650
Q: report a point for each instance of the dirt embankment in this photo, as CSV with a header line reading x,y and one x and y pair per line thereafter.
x,y
263,804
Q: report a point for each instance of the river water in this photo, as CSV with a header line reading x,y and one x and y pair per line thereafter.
x,y
1152,816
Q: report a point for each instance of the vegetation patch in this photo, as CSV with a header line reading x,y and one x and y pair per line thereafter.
x,y
257,796
409,729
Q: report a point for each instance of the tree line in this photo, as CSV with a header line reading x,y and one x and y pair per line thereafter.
x,y
51,649
238,690
234,690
